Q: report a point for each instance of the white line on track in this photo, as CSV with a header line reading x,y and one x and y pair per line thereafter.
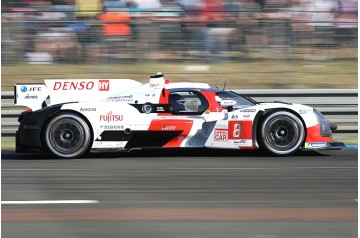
x,y
49,202
48,169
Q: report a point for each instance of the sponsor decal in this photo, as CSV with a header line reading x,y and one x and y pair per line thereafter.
x,y
116,127
160,109
111,117
31,96
25,89
248,110
246,116
168,128
104,85
305,111
155,85
126,98
317,145
220,135
76,85
239,142
234,116
87,109
31,127
221,126
109,144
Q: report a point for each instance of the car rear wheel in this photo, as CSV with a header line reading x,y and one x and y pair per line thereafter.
x,y
67,135
281,133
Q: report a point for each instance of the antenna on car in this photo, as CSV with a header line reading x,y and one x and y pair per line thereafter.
x,y
224,85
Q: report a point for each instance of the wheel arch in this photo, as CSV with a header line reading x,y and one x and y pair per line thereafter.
x,y
261,116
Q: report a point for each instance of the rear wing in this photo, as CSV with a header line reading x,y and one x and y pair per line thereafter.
x,y
90,90
70,90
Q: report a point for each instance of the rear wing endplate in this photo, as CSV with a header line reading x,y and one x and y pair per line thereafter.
x,y
30,95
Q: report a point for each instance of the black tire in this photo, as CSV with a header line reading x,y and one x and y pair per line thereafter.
x,y
67,135
281,133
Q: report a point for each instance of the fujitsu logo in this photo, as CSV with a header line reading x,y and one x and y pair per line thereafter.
x,y
110,117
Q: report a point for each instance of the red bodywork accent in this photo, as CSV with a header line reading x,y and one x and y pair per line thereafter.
x,y
172,125
164,99
313,135
26,112
247,147
214,106
245,132
164,96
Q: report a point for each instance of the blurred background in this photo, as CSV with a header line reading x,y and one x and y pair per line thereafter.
x,y
249,44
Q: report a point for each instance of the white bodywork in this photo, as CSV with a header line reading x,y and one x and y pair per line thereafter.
x,y
105,103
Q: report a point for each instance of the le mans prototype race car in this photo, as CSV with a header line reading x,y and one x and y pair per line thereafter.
x,y
99,115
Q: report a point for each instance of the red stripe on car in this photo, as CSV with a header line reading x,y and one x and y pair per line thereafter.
x,y
169,125
314,135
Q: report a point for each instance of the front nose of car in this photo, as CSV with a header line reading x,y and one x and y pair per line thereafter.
x,y
326,126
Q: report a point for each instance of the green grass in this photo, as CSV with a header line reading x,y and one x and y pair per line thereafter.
x,y
7,143
246,75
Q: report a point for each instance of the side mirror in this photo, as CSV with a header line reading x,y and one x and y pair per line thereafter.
x,y
228,104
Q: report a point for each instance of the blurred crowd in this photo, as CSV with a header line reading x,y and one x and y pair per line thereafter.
x,y
50,31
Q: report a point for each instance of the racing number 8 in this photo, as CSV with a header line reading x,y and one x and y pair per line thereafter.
x,y
237,130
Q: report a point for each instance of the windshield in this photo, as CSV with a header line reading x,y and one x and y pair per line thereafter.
x,y
240,101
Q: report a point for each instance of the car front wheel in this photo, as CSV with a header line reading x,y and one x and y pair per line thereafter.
x,y
67,135
281,133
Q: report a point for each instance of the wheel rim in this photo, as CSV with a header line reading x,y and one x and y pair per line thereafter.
x,y
282,133
67,136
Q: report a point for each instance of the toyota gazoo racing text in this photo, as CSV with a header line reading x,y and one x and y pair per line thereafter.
x,y
70,118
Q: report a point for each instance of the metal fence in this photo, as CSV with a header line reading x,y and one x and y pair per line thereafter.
x,y
39,36
338,105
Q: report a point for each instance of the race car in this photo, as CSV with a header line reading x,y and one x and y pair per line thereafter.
x,y
70,118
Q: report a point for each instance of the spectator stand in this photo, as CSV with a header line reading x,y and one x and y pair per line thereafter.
x,y
346,24
116,31
68,31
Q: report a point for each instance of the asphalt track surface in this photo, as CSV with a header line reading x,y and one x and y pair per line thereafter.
x,y
192,194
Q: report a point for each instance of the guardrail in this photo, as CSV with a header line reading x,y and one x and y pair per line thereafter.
x,y
339,105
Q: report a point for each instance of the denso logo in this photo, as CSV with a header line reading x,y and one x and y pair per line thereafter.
x,y
110,117
83,85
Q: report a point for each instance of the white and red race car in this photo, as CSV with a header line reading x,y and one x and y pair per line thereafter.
x,y
122,114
